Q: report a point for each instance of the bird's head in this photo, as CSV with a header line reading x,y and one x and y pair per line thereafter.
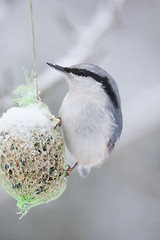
x,y
87,75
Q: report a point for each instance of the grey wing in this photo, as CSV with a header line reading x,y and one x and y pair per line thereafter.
x,y
118,129
117,116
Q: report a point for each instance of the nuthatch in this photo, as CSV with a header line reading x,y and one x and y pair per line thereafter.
x,y
91,115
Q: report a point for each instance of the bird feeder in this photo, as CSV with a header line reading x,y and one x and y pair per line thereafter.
x,y
33,167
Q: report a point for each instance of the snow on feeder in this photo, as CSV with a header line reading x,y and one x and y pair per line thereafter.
x,y
33,168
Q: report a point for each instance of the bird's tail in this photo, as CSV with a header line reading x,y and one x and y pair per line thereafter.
x,y
84,171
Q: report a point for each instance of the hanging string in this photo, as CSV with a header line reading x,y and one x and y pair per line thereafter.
x,y
34,50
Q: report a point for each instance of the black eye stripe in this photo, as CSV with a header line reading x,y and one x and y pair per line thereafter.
x,y
103,80
78,72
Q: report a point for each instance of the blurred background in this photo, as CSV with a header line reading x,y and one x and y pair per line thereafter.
x,y
121,200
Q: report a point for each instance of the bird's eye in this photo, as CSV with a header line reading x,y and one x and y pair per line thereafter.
x,y
81,72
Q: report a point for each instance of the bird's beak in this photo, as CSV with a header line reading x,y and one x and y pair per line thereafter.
x,y
57,67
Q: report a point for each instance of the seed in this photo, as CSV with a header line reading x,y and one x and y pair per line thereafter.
x,y
6,167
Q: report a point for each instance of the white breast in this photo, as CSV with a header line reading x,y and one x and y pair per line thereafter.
x,y
87,125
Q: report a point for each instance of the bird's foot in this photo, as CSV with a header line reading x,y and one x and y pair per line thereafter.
x,y
70,169
57,121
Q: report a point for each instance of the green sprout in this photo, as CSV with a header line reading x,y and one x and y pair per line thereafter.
x,y
26,94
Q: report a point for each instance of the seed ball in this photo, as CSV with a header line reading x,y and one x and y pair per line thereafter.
x,y
32,156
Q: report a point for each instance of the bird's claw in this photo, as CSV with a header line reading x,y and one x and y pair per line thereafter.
x,y
70,169
57,121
